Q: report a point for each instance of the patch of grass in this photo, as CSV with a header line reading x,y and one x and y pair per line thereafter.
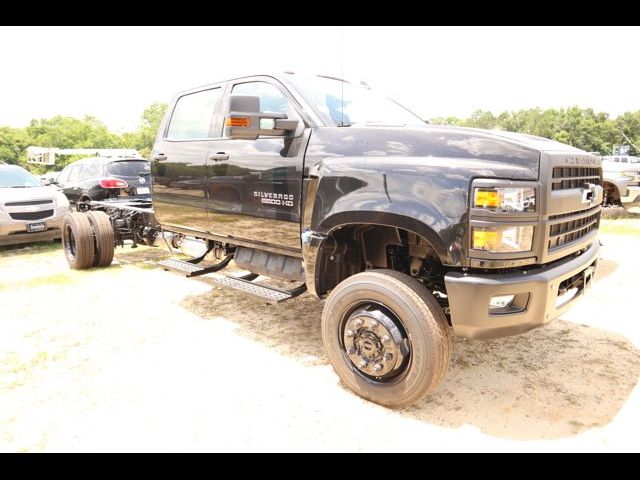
x,y
576,424
622,226
462,363
30,248
57,279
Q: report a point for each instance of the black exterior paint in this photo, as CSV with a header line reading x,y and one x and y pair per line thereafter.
x,y
417,179
412,178
84,183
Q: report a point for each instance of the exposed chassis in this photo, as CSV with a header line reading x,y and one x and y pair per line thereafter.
x,y
132,220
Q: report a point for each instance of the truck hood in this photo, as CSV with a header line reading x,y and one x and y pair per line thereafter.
x,y
510,155
30,194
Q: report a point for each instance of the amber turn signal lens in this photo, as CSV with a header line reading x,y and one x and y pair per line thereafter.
x,y
486,198
238,122
486,239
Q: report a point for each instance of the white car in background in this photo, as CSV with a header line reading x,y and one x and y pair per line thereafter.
x,y
29,211
625,165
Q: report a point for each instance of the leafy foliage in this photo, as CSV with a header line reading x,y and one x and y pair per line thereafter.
x,y
583,128
69,132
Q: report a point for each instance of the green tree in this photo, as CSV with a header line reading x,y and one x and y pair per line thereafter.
x,y
144,137
582,128
13,143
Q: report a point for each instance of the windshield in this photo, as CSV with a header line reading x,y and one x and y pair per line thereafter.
x,y
361,105
17,178
129,168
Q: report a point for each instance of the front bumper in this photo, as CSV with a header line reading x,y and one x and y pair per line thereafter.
x,y
470,294
632,199
14,232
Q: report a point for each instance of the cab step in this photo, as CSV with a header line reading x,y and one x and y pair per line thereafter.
x,y
190,268
243,283
271,294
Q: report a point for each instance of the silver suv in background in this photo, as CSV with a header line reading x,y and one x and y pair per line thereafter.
x,y
29,211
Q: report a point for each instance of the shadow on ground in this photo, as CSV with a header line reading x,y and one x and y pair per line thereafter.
x,y
553,382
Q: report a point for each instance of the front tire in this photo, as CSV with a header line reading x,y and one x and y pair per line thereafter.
x,y
386,337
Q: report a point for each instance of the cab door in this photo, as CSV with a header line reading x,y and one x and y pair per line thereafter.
x,y
255,185
179,160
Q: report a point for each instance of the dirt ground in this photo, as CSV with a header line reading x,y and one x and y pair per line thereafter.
x,y
133,358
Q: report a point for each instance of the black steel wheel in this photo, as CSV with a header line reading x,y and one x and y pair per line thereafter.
x,y
386,336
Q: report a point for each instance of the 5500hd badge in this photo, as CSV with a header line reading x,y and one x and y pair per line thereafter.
x,y
278,199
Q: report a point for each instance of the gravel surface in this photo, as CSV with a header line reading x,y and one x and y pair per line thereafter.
x,y
132,358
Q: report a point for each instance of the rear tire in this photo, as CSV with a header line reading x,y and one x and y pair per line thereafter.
x,y
77,241
104,238
386,336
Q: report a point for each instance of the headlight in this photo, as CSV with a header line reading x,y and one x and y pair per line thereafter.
x,y
61,200
505,199
504,239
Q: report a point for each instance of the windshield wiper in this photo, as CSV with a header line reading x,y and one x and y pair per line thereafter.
x,y
21,186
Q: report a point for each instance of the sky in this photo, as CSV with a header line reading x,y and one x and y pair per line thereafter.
x,y
113,73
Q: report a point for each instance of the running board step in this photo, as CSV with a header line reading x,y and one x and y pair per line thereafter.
x,y
272,295
190,269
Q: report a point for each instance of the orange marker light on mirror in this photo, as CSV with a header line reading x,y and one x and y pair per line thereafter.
x,y
244,122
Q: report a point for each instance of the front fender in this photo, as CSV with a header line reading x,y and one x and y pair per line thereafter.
x,y
430,201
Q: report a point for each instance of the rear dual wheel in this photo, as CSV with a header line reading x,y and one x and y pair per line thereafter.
x,y
386,336
88,240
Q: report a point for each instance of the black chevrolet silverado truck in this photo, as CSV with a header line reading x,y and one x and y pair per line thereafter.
x,y
410,231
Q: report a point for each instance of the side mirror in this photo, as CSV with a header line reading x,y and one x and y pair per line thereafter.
x,y
45,182
245,120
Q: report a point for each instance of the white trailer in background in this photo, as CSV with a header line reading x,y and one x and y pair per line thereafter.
x,y
47,155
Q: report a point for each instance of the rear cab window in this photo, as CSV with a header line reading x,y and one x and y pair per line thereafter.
x,y
193,114
128,168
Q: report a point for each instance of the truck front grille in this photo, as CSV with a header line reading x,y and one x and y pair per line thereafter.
x,y
561,234
31,215
565,178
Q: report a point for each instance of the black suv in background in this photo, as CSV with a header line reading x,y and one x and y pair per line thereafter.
x,y
101,178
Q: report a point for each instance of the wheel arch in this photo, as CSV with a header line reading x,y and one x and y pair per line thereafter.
x,y
356,241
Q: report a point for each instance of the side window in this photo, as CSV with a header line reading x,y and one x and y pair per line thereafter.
x,y
271,99
191,118
74,174
64,176
91,170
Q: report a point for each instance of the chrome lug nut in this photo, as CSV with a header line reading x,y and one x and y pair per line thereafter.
x,y
358,323
349,333
351,351
377,367
388,357
385,339
373,325
363,364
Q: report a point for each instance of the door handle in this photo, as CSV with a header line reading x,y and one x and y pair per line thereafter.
x,y
219,157
159,157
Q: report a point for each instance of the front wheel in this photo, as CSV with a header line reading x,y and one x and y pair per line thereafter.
x,y
386,336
